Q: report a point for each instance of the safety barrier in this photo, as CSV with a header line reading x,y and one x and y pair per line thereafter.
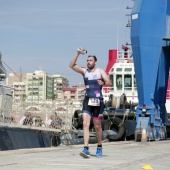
x,y
34,125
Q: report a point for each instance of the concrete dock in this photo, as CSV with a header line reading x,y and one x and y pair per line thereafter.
x,y
124,155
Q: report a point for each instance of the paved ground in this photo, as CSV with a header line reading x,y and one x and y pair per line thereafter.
x,y
117,156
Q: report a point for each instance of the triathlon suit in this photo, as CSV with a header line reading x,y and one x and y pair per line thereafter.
x,y
93,101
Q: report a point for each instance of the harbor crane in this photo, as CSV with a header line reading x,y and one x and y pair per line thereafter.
x,y
150,38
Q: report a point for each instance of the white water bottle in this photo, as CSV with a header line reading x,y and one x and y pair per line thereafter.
x,y
82,50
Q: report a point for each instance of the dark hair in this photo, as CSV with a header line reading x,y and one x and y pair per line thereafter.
x,y
95,58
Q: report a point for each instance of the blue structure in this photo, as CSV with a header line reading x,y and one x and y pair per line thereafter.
x,y
150,38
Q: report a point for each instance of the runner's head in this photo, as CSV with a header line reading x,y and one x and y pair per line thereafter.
x,y
91,61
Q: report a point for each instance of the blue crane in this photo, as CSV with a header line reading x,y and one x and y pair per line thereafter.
x,y
150,38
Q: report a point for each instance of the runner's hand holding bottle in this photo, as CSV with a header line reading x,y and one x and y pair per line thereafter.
x,y
82,51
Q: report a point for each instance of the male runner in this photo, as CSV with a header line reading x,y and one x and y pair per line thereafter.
x,y
94,79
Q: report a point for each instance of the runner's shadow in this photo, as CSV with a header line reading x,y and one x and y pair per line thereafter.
x,y
93,155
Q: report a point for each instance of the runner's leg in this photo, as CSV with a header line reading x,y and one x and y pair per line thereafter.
x,y
98,128
86,124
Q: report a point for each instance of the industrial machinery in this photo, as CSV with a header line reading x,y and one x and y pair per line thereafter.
x,y
2,70
150,38
5,95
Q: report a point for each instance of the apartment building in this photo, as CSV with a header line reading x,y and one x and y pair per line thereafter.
x,y
39,86
59,83
18,91
18,83
80,92
70,93
17,77
75,93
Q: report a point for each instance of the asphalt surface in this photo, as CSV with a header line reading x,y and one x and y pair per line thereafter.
x,y
124,155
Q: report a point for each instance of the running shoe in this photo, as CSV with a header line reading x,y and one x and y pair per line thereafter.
x,y
99,152
85,153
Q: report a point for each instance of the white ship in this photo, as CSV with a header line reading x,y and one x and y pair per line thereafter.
x,y
120,69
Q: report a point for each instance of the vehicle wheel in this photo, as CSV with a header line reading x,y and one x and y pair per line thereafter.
x,y
92,140
115,124
105,115
77,120
74,122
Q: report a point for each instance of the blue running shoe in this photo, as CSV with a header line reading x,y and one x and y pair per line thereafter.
x,y
85,153
99,152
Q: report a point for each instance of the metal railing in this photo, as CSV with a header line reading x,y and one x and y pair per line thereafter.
x,y
47,116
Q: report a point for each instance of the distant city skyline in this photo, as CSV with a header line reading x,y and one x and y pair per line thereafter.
x,y
45,34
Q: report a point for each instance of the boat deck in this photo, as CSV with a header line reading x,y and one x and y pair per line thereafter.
x,y
124,155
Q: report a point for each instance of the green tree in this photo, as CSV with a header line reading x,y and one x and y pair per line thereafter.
x,y
23,97
54,96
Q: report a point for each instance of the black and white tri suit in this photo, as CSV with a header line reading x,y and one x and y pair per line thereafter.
x,y
93,101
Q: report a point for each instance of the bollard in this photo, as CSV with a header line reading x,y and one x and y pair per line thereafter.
x,y
144,136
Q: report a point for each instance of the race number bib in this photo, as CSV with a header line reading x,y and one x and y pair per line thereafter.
x,y
94,102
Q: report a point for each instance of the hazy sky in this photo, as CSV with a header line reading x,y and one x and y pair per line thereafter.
x,y
46,33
